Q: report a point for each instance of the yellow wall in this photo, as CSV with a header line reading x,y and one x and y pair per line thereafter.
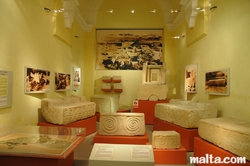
x,y
122,18
26,39
224,46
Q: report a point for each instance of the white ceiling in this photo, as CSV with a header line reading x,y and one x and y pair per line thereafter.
x,y
89,9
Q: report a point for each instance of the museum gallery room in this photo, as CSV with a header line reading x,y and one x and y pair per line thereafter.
x,y
124,82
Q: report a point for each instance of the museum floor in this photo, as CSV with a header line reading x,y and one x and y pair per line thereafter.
x,y
82,152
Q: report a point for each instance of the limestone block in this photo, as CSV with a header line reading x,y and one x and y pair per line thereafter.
x,y
152,92
185,113
106,103
165,140
128,124
66,110
228,133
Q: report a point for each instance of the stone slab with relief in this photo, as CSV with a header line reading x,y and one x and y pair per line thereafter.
x,y
126,124
165,140
67,110
106,103
228,133
152,92
185,113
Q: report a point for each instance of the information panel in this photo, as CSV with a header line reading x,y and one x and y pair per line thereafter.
x,y
5,88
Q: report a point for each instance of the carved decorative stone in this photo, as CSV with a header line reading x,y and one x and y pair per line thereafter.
x,y
152,92
66,110
185,113
165,140
106,103
128,124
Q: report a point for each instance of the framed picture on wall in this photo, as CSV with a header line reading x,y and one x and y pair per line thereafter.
x,y
191,78
62,81
76,80
36,80
128,49
217,82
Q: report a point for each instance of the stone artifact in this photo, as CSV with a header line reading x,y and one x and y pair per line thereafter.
x,y
152,92
153,85
66,110
185,113
228,133
128,124
166,140
106,103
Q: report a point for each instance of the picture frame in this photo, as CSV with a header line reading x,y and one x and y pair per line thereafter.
x,y
36,80
62,81
191,78
217,82
128,49
76,80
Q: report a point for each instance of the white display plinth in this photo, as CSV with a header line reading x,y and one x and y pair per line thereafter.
x,y
122,155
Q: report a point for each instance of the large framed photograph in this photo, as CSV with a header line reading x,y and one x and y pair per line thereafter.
x,y
191,78
36,80
62,81
217,82
76,80
128,49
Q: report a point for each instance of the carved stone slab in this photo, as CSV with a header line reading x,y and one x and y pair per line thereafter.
x,y
185,113
106,103
152,92
66,110
128,124
165,140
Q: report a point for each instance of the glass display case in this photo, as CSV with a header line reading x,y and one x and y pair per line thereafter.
x,y
41,143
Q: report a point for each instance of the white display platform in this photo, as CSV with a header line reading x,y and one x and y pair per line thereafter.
x,y
122,155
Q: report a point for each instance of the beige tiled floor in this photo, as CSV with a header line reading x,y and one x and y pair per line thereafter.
x,y
82,153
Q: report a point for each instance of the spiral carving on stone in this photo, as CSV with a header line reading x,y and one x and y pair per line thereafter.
x,y
132,125
110,125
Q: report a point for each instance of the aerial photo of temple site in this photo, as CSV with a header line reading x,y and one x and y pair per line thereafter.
x,y
128,49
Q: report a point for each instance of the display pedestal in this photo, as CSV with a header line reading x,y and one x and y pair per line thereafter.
x,y
148,108
202,147
121,139
89,124
40,146
121,155
187,135
170,156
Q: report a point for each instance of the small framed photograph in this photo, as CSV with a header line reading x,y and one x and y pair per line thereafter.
x,y
217,82
62,81
36,80
76,80
191,78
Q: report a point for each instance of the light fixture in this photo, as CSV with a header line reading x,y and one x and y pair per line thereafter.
x,y
111,11
133,11
53,10
153,11
175,10
178,37
206,9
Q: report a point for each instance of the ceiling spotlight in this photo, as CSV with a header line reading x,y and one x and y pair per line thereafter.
x,y
206,9
53,10
153,11
175,10
133,11
178,37
111,11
